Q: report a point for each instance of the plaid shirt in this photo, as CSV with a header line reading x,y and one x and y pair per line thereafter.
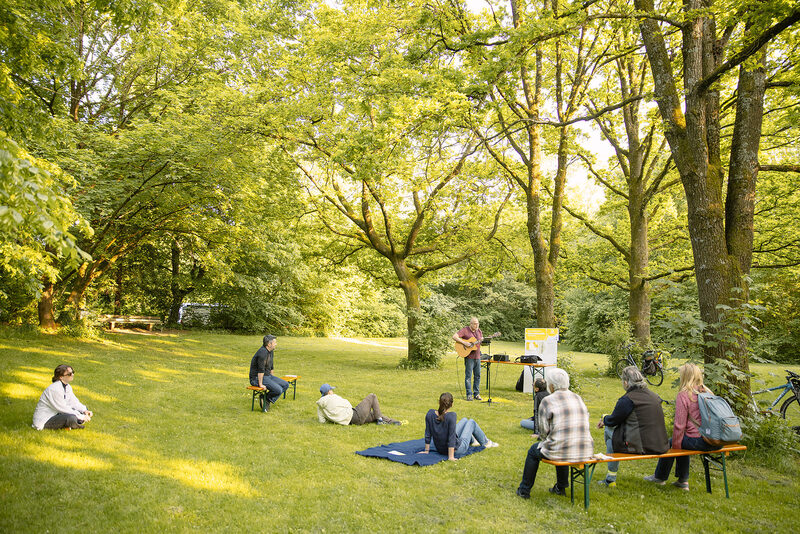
x,y
564,425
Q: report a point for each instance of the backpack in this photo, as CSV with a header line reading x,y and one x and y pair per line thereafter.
x,y
719,426
520,382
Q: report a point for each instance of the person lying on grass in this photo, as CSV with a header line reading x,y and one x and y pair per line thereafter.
x,y
58,407
449,437
331,407
636,426
564,429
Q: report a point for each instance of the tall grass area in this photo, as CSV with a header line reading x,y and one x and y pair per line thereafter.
x,y
174,447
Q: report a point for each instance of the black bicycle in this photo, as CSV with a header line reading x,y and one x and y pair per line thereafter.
x,y
652,366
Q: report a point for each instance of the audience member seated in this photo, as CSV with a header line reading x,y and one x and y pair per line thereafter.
x,y
564,429
539,392
58,407
685,432
449,437
636,426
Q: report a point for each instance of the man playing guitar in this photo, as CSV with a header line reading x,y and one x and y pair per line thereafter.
x,y
471,337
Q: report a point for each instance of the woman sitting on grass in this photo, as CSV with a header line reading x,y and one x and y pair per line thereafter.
x,y
685,432
58,407
449,437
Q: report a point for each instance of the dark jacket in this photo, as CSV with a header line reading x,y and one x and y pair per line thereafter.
x,y
261,363
639,422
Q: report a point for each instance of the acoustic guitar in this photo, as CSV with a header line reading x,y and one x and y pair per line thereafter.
x,y
463,351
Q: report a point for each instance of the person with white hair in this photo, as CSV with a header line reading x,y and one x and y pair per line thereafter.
x,y
563,424
636,426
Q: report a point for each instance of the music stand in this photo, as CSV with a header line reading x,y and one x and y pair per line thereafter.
x,y
488,369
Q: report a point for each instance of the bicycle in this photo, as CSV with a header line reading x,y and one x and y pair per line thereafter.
x,y
652,365
790,409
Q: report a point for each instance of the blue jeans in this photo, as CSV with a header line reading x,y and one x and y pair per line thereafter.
x,y
681,462
530,424
608,433
472,366
275,386
465,430
532,466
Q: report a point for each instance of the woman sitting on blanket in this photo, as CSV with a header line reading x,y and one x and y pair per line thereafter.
x,y
449,437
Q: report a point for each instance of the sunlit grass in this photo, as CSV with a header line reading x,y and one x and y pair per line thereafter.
x,y
174,447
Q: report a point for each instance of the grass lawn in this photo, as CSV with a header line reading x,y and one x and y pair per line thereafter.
x,y
174,447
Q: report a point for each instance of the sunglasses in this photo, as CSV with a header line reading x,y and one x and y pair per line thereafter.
x,y
69,374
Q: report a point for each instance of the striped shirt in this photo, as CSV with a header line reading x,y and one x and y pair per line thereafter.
x,y
564,426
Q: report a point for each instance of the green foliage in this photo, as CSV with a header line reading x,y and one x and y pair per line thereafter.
x,y
613,341
771,439
38,223
504,305
432,337
81,330
778,335
590,314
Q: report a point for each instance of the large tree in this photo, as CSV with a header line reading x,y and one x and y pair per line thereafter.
x,y
373,120
718,45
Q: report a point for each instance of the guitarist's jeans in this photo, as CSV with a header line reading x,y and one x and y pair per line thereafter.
x,y
472,366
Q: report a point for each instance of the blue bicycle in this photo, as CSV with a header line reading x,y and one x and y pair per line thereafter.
x,y
790,409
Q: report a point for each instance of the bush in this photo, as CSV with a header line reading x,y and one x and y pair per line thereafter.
x,y
775,441
612,343
590,315
432,337
80,330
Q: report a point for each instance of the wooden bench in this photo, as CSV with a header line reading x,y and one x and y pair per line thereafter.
x,y
261,393
114,320
581,472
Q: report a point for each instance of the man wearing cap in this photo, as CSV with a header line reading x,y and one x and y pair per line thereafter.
x,y
261,371
331,407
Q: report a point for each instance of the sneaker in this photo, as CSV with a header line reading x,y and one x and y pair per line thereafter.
x,y
523,495
475,443
478,397
558,491
608,483
681,485
381,421
469,398
654,480
490,444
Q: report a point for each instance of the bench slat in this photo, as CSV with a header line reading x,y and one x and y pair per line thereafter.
x,y
672,453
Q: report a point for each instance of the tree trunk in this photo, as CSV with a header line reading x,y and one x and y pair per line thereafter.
x,y
45,307
639,294
410,286
118,293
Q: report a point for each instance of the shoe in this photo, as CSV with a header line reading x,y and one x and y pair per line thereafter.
x,y
523,495
474,443
654,480
608,483
490,444
469,398
558,491
681,485
381,421
478,397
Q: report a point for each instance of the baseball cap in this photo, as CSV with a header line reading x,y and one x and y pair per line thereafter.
x,y
325,388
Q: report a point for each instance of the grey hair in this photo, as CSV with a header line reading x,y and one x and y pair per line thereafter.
x,y
633,377
558,378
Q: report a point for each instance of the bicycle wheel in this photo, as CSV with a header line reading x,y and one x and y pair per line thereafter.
x,y
620,365
791,412
656,378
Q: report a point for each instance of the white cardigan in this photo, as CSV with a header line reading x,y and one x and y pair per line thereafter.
x,y
56,399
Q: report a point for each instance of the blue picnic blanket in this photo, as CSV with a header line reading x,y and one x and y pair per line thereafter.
x,y
408,452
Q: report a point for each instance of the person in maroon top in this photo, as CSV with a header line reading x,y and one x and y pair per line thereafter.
x,y
472,363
